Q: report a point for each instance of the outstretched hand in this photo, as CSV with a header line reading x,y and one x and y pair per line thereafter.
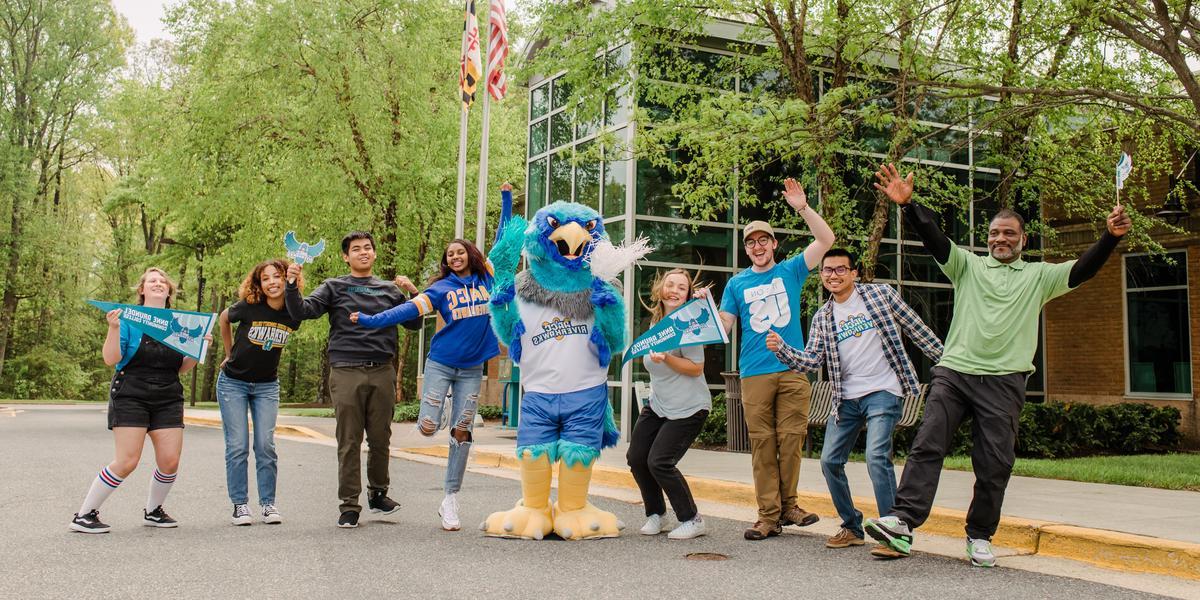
x,y
1119,222
774,342
793,192
406,284
354,317
898,189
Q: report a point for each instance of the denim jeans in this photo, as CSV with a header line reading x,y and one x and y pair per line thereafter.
x,y
261,402
879,411
463,384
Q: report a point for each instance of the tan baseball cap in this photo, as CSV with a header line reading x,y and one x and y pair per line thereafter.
x,y
754,227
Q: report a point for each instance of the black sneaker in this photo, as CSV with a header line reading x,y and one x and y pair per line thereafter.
x,y
380,503
158,518
348,520
89,523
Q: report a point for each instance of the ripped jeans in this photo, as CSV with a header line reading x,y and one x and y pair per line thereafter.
x,y
464,386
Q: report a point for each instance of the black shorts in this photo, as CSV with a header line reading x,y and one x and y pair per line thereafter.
x,y
150,402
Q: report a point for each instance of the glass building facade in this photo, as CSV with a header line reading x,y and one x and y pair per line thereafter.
x,y
635,199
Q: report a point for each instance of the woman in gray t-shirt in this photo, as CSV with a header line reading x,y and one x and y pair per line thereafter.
x,y
672,418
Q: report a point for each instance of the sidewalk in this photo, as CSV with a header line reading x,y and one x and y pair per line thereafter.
x,y
1057,518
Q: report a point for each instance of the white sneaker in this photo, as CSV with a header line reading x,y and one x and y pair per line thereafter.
x,y
271,515
241,515
653,526
980,553
448,511
688,529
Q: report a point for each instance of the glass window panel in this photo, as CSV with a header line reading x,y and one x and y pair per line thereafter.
x,y
886,262
561,93
678,243
874,139
654,195
615,231
688,66
917,265
617,106
983,144
1154,271
616,177
936,307
1159,349
951,111
952,219
536,195
859,179
942,145
560,177
587,180
539,101
538,138
560,130
984,204
618,59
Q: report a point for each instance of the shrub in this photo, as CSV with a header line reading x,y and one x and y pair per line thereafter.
x,y
713,433
411,410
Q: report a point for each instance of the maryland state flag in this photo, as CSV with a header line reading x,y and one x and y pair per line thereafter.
x,y
470,67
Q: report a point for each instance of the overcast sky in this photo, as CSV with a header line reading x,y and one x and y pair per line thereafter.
x,y
145,16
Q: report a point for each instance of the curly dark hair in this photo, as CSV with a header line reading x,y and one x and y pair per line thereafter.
x,y
251,289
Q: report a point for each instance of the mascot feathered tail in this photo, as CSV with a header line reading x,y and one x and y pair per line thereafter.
x,y
563,321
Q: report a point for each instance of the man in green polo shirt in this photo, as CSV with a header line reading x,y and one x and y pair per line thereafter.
x,y
983,370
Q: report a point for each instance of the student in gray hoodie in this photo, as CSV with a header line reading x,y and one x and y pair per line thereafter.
x,y
362,372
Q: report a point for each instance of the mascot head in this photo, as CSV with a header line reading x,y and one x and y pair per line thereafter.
x,y
559,243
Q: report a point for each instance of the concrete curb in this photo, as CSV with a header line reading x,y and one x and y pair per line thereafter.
x,y
1109,549
293,430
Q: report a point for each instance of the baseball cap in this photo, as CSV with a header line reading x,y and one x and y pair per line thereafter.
x,y
755,227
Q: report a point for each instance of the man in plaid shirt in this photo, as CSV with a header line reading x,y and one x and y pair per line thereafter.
x,y
856,335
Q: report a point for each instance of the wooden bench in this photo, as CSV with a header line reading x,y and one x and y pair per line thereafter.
x,y
820,406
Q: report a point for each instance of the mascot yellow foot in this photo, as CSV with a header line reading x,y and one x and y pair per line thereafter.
x,y
531,518
574,517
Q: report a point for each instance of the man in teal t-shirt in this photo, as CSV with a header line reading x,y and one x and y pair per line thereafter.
x,y
766,297
982,374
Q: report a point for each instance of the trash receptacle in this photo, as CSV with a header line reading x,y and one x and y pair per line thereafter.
x,y
737,437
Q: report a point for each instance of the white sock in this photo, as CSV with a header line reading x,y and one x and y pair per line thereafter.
x,y
159,487
102,487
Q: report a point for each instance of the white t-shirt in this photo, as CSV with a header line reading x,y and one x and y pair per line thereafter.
x,y
674,395
865,368
557,355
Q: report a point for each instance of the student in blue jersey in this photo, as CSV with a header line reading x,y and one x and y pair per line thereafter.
x,y
458,353
145,399
766,297
248,384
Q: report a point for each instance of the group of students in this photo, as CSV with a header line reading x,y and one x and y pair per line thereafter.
x,y
856,336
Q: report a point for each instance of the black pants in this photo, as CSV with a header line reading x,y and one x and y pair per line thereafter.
x,y
654,450
995,403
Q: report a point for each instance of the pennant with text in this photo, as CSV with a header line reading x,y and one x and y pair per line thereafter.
x,y
696,322
180,330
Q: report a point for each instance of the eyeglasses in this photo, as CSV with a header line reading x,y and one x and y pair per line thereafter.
x,y
839,270
762,241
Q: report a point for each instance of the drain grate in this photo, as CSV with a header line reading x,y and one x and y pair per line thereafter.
x,y
706,556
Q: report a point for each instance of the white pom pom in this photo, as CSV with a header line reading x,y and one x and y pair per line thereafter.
x,y
608,261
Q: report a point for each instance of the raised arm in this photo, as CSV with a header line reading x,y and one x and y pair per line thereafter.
x,y
419,306
899,190
806,361
1093,258
505,257
300,308
823,237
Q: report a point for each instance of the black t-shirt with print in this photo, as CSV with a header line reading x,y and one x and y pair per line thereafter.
x,y
258,341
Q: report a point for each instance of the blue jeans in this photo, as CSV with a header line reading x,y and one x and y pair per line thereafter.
x,y
261,402
463,385
879,411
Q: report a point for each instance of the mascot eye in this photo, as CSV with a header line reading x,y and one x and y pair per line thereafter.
x,y
552,221
591,225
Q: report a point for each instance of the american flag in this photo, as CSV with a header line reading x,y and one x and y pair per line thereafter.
x,y
497,82
469,65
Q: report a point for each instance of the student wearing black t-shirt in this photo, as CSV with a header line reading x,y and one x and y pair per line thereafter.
x,y
249,384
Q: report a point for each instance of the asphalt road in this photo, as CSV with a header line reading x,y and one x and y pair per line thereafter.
x,y
48,457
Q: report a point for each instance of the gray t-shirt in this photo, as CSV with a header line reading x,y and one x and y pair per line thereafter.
x,y
674,395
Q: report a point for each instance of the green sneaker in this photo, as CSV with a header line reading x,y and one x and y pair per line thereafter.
x,y
980,553
891,532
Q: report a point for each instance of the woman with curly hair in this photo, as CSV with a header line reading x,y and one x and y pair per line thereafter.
x,y
248,384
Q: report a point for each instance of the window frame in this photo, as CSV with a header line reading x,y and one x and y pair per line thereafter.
x,y
1129,393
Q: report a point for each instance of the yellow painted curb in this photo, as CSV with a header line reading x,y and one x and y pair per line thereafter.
x,y
295,430
1121,551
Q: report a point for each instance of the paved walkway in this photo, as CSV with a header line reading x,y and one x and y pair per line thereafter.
x,y
1151,512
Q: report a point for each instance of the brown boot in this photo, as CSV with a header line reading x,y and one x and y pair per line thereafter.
x,y
762,530
844,539
798,516
886,553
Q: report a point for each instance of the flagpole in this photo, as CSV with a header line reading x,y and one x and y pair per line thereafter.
x,y
481,201
460,199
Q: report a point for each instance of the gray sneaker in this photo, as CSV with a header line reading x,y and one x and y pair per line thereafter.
x,y
653,526
688,530
980,553
270,515
241,515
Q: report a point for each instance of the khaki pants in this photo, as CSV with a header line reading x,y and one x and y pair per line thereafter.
x,y
776,408
364,399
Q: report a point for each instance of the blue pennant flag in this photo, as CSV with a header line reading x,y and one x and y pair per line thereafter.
x,y
696,322
180,330
300,252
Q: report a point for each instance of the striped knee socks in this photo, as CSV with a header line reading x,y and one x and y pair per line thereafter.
x,y
158,489
102,488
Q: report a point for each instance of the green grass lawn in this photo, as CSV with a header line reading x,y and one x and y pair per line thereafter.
x,y
1166,471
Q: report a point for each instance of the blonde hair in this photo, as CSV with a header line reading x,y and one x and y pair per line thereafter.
x,y
171,287
656,308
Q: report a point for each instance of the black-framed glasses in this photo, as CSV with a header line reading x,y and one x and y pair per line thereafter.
x,y
838,270
762,241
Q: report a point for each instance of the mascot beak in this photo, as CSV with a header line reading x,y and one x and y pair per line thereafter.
x,y
570,239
